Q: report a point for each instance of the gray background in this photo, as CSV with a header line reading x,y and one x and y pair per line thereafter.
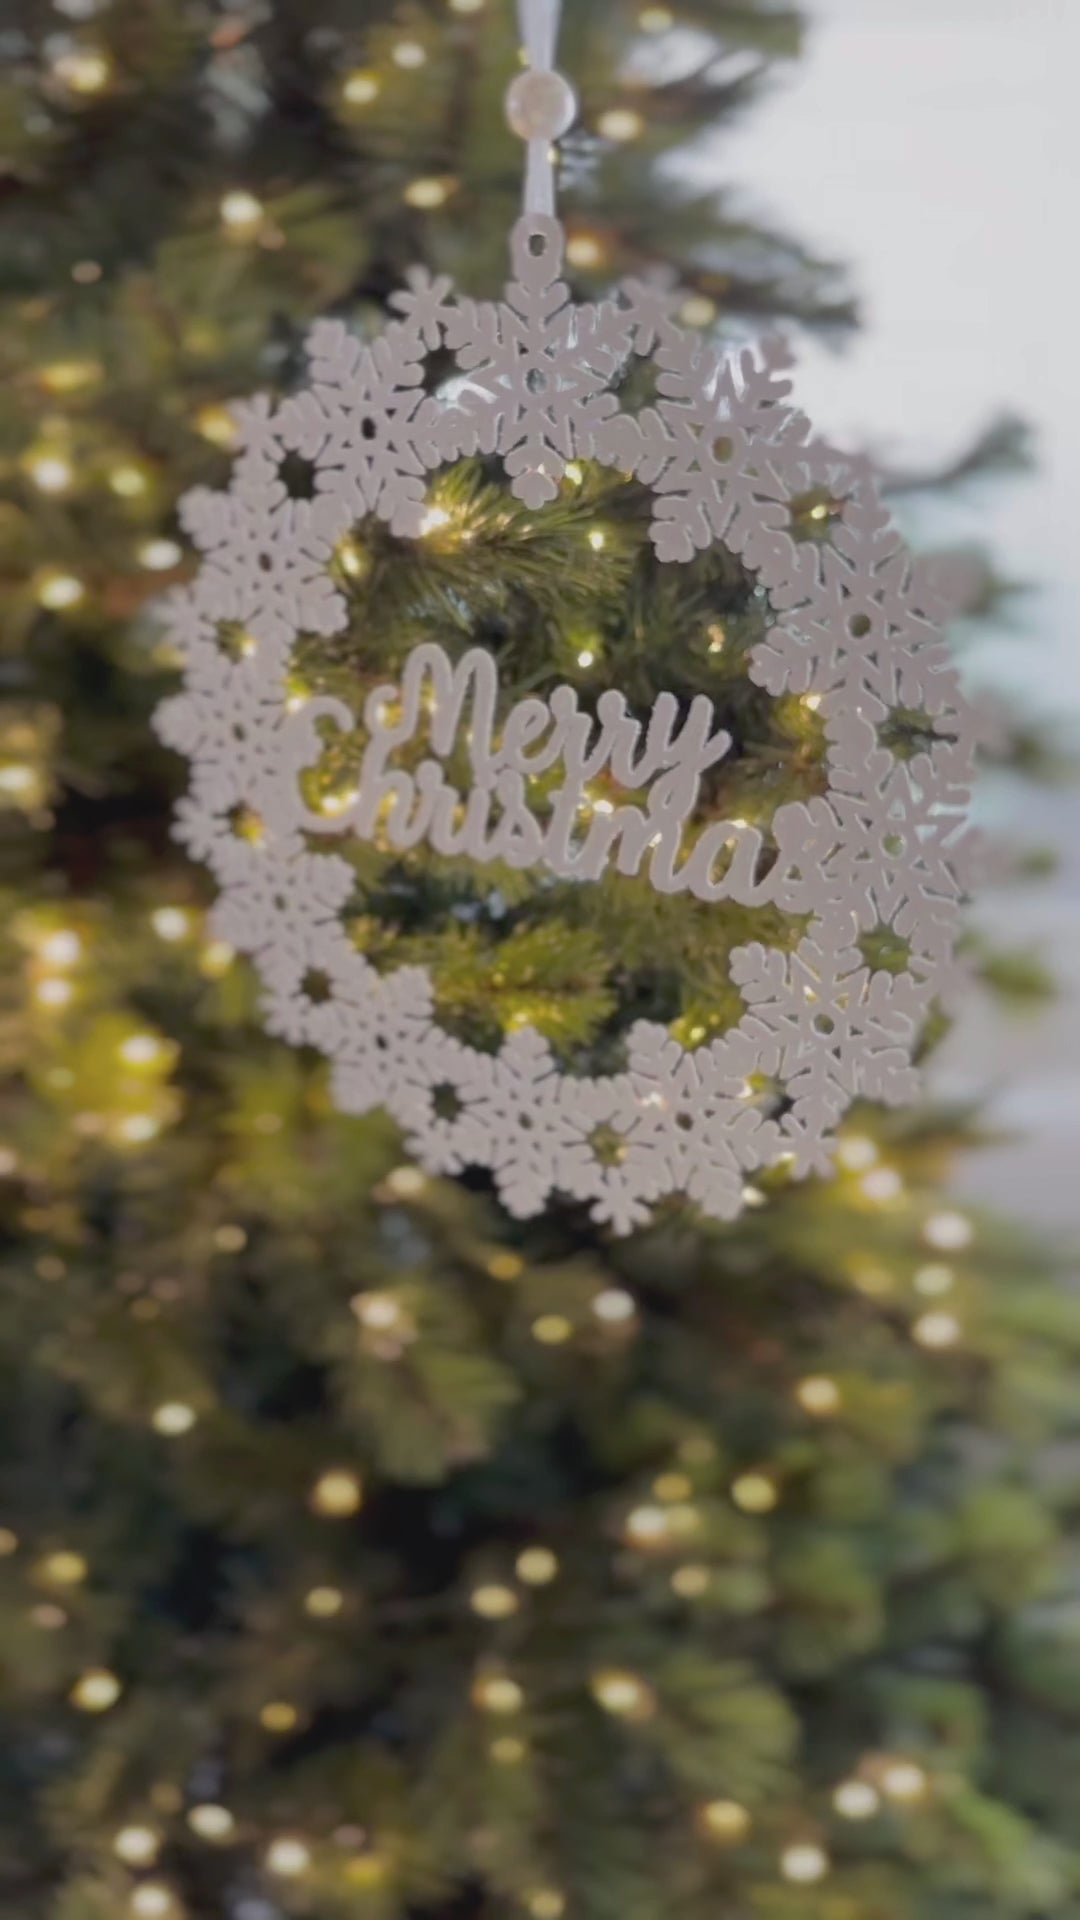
x,y
935,145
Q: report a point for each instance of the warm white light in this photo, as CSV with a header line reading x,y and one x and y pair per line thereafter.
x,y
137,1846
804,1863
754,1493
157,556
152,1901
433,518
50,473
127,481
552,1329
937,1330
934,1280
903,1780
53,993
856,1152
141,1049
818,1394
882,1184
173,1418
493,1602
725,1820
620,123
337,1494
856,1799
170,923
536,1566
614,1306
138,1128
622,1694
426,193
240,209
586,657
598,539
656,19
287,1857
62,948
408,54
361,88
17,778
324,1603
948,1232
82,70
58,591
698,311
648,1526
211,1822
96,1691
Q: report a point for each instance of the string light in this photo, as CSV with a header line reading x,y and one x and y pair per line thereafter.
x,y
141,1050
217,958
546,1903
64,1568
648,1527
59,591
597,539
427,193
508,1751
287,1857
754,1493
497,1693
128,481
656,19
614,1306
623,1694
95,1691
171,923
173,1418
536,1566
409,54
725,1820
83,70
948,1232
698,311
62,948
50,473
903,1780
937,1330
882,1184
690,1582
818,1394
54,993
433,518
620,124
856,1800
152,1901
812,701
279,1716
211,1822
804,1863
324,1603
552,1329
855,1152
337,1494
240,210
67,376
672,1486
136,1129
137,1846
574,473
406,1182
217,424
17,778
934,1280
157,556
506,1266
361,87
494,1602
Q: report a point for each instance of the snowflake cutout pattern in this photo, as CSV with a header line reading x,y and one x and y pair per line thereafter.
x,y
856,623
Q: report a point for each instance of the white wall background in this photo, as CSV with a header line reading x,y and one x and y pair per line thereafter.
x,y
935,144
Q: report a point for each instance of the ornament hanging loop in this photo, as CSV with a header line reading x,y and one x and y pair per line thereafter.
x,y
540,104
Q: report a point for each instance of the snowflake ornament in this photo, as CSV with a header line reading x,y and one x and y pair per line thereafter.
x,y
856,627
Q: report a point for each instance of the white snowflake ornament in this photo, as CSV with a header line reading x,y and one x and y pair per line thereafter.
x,y
538,383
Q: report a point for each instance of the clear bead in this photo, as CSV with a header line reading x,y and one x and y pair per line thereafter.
x,y
540,106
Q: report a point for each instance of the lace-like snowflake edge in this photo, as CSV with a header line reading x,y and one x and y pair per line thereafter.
x,y
856,632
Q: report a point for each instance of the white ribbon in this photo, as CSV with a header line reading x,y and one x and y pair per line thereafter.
x,y
538,21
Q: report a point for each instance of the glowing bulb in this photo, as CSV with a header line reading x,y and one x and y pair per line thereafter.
x,y
361,88
656,19
427,193
508,1751
882,1184
620,123
433,518
128,482
137,1846
493,1602
323,1603
726,1821
173,1418
337,1494
672,1486
804,1863
598,539
903,1780
138,1128
623,1694
211,1822
50,473
648,1527
575,473
62,948
406,1182
157,556
856,1799
141,1050
818,1394
812,701
948,1232
856,1153
690,1582
170,923
152,1901
552,1329
497,1693
585,250
217,958
754,1493
287,1857
54,993
217,425
82,70
698,311
586,657
546,1903
17,778
614,1306
279,1716
934,1280
240,209
408,54
937,1330
536,1566
717,638
59,591
64,1569
95,1691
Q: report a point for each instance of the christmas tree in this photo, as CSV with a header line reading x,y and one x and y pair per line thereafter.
x,y
364,1551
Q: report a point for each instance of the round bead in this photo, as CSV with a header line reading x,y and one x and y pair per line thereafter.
x,y
540,106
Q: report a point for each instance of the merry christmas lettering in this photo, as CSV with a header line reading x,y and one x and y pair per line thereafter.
x,y
659,758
